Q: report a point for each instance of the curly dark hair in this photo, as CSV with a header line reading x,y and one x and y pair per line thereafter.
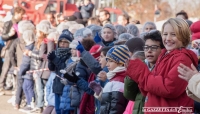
x,y
182,12
88,43
154,35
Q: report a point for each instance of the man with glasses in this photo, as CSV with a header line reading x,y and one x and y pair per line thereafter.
x,y
153,47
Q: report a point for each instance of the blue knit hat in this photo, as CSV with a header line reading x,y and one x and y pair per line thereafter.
x,y
119,54
66,34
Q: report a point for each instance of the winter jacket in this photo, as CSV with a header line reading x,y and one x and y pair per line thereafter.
x,y
6,29
193,88
86,11
49,47
112,98
50,96
56,65
16,52
95,67
25,66
37,56
169,89
65,102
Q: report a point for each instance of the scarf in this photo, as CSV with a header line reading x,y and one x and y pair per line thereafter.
x,y
60,52
111,74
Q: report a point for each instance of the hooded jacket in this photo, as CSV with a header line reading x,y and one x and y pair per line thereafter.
x,y
169,89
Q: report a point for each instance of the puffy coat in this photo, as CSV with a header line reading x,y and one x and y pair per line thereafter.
x,y
169,89
112,99
56,65
50,96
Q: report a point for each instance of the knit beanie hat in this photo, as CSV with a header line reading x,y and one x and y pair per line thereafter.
x,y
73,44
195,29
62,26
25,25
43,27
135,44
95,51
66,34
119,54
110,26
53,36
29,37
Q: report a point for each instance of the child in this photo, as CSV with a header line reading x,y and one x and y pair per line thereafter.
x,y
152,49
162,87
113,90
57,61
28,84
108,34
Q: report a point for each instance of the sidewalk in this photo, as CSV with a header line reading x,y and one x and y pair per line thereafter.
x,y
6,108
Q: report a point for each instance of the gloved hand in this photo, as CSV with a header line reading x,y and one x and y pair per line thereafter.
x,y
72,78
97,38
80,47
51,56
95,87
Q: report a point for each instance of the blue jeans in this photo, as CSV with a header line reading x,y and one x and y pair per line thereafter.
x,y
57,103
28,87
40,84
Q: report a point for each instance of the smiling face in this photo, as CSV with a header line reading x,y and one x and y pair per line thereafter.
x,y
152,54
107,34
170,39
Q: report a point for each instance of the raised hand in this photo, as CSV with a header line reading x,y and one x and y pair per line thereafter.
x,y
80,47
185,72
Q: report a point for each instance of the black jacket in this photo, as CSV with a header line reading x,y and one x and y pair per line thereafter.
x,y
56,65
86,11
6,29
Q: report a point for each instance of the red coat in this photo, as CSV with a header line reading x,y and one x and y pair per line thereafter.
x,y
162,86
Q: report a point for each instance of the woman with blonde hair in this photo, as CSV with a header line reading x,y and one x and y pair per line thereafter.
x,y
162,87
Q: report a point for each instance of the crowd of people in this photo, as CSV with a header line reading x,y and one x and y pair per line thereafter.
x,y
73,65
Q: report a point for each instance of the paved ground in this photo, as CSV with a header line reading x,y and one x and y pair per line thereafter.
x,y
6,108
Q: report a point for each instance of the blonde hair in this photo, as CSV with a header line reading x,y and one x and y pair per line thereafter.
x,y
181,29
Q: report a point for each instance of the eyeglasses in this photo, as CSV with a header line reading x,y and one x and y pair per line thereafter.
x,y
153,48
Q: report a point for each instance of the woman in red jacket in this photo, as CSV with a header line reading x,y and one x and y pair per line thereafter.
x,y
162,87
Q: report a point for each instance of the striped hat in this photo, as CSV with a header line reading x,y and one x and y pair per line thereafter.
x,y
119,54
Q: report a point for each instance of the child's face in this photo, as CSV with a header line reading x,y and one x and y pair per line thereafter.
x,y
102,60
111,65
148,28
63,43
74,52
107,34
169,38
152,54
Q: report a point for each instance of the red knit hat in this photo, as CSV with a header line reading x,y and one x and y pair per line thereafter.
x,y
195,29
95,51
